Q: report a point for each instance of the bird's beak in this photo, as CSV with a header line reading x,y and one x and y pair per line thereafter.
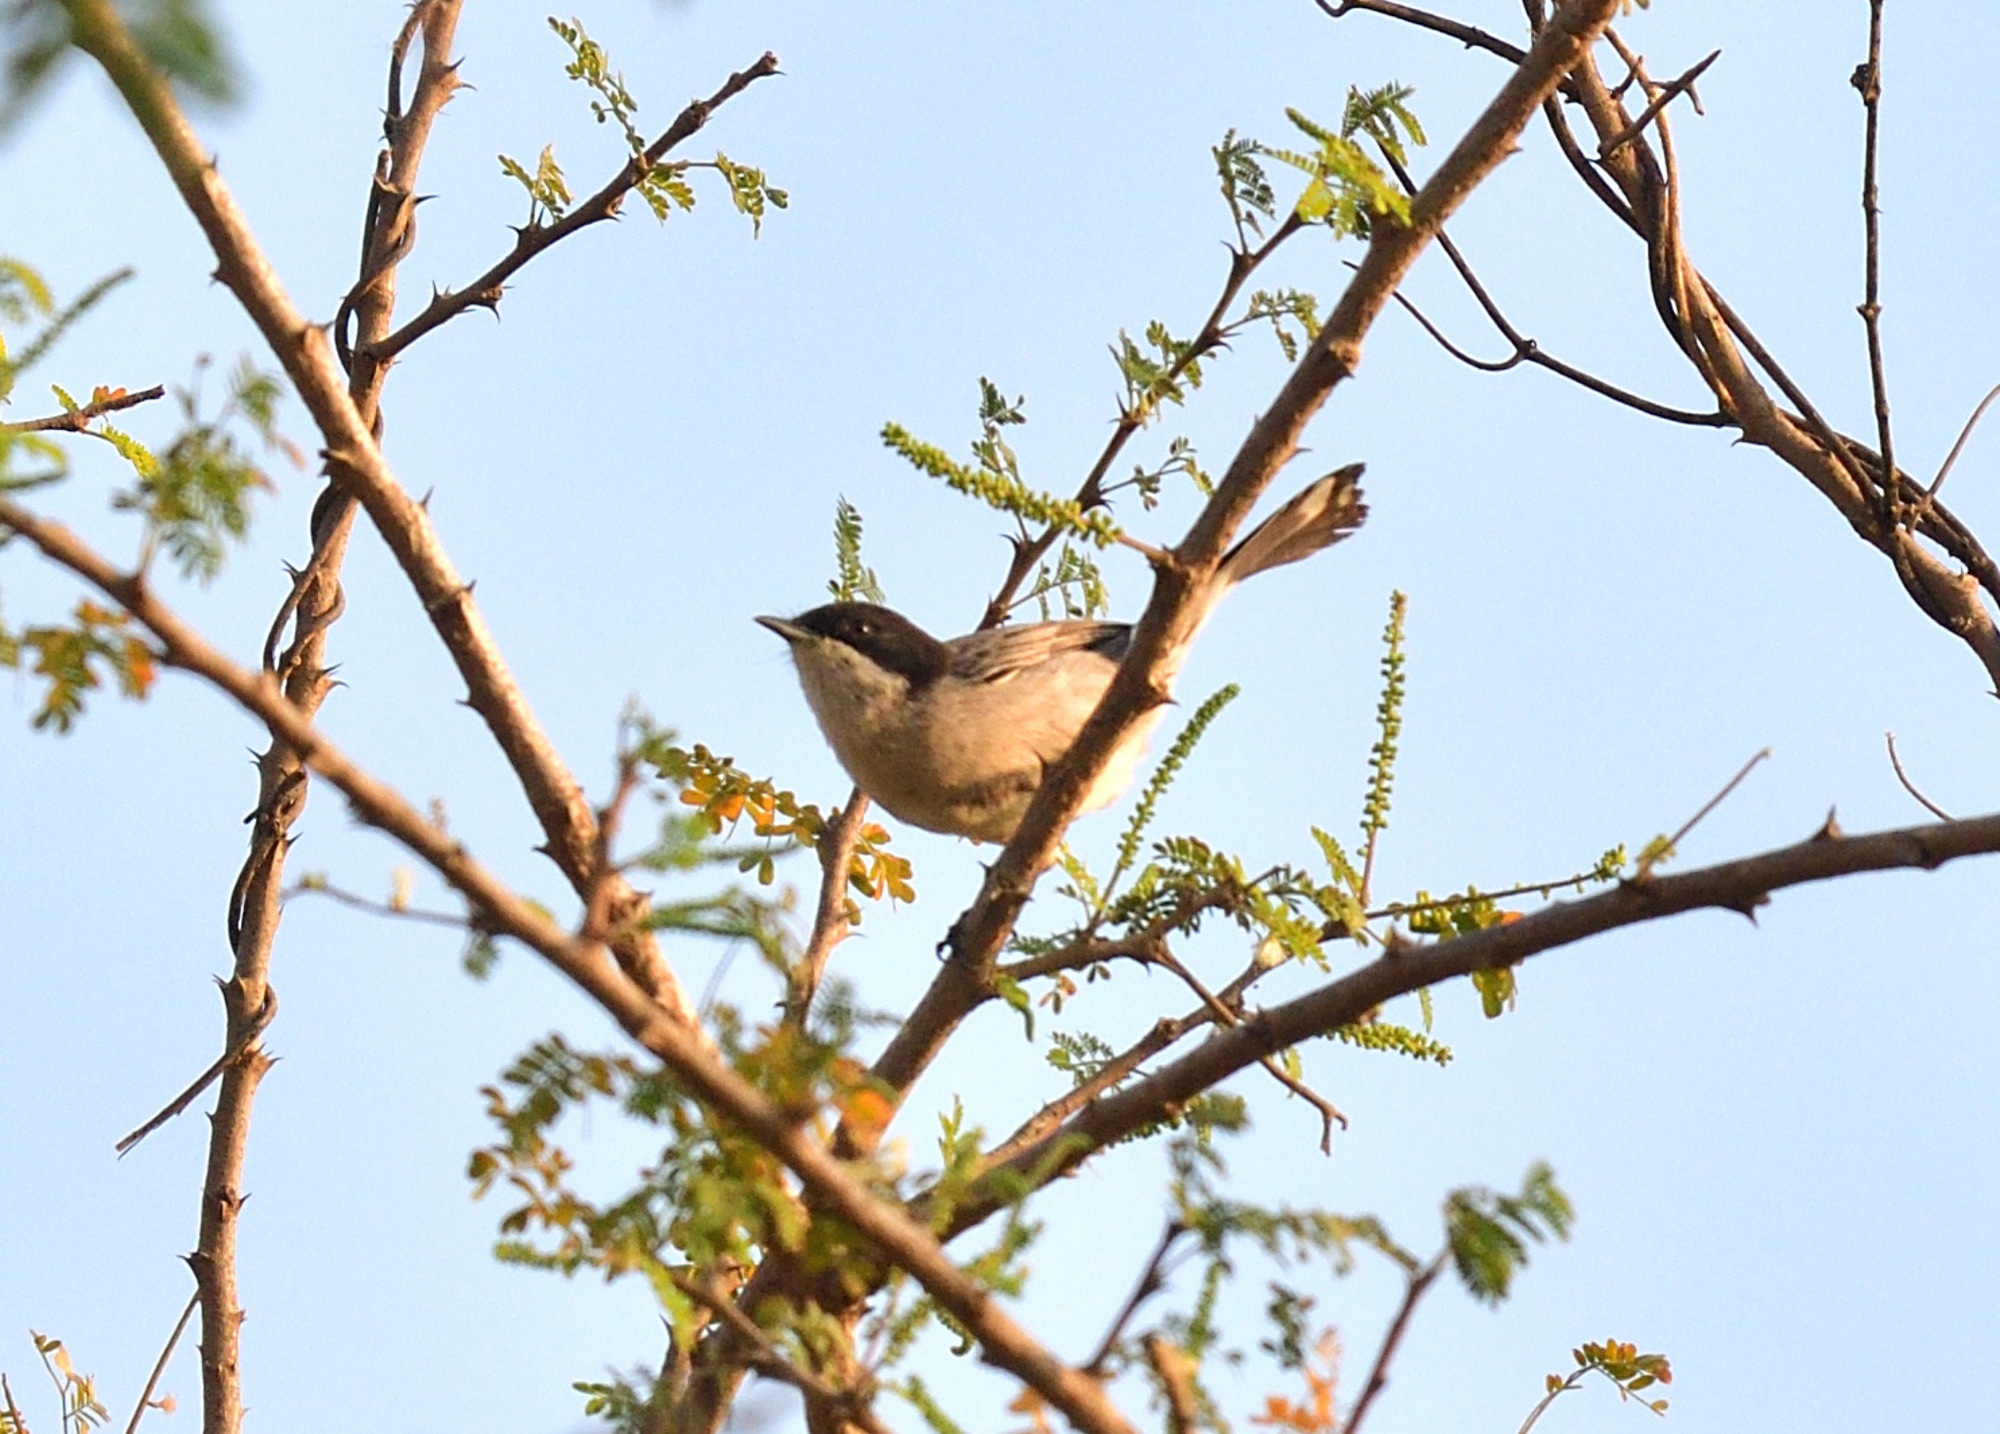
x,y
789,631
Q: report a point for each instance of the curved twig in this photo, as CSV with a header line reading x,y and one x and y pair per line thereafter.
x,y
1911,787
1944,469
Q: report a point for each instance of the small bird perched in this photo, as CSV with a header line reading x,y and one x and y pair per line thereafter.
x,y
954,736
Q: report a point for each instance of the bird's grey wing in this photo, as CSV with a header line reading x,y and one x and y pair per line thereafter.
x,y
1003,651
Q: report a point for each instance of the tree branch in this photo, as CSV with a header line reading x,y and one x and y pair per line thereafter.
x,y
1867,79
484,292
1471,36
1742,886
1707,329
1683,84
77,420
358,468
1378,1373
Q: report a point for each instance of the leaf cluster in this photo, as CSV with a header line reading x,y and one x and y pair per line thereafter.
x,y
662,184
854,581
26,298
77,657
1489,1233
994,478
722,795
78,1403
708,1208
195,496
1622,1364
1346,191
1210,1234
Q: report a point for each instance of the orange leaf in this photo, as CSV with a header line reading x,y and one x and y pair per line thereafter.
x,y
867,1112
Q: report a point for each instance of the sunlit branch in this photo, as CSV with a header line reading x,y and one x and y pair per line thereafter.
x,y
78,420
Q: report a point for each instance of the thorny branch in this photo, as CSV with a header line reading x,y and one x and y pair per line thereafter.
x,y
1640,186
485,291
1742,886
345,409
359,470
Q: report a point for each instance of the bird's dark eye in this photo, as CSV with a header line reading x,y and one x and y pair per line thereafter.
x,y
863,627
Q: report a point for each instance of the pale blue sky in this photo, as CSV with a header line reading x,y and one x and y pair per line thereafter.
x,y
1781,1138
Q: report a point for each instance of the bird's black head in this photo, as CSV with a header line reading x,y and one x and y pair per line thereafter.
x,y
881,634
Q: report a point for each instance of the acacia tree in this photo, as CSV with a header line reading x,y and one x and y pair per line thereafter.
x,y
779,1233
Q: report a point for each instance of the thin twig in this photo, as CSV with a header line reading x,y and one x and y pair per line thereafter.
x,y
160,1364
830,925
1684,84
1152,1279
1867,79
1956,448
1532,888
1226,1015
1243,262
1911,787
315,887
1673,842
1378,1374
244,1040
1471,36
76,420
1526,350
605,898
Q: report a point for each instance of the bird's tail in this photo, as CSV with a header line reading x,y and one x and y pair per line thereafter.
x,y
1320,516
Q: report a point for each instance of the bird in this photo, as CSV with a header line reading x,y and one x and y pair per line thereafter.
x,y
955,736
